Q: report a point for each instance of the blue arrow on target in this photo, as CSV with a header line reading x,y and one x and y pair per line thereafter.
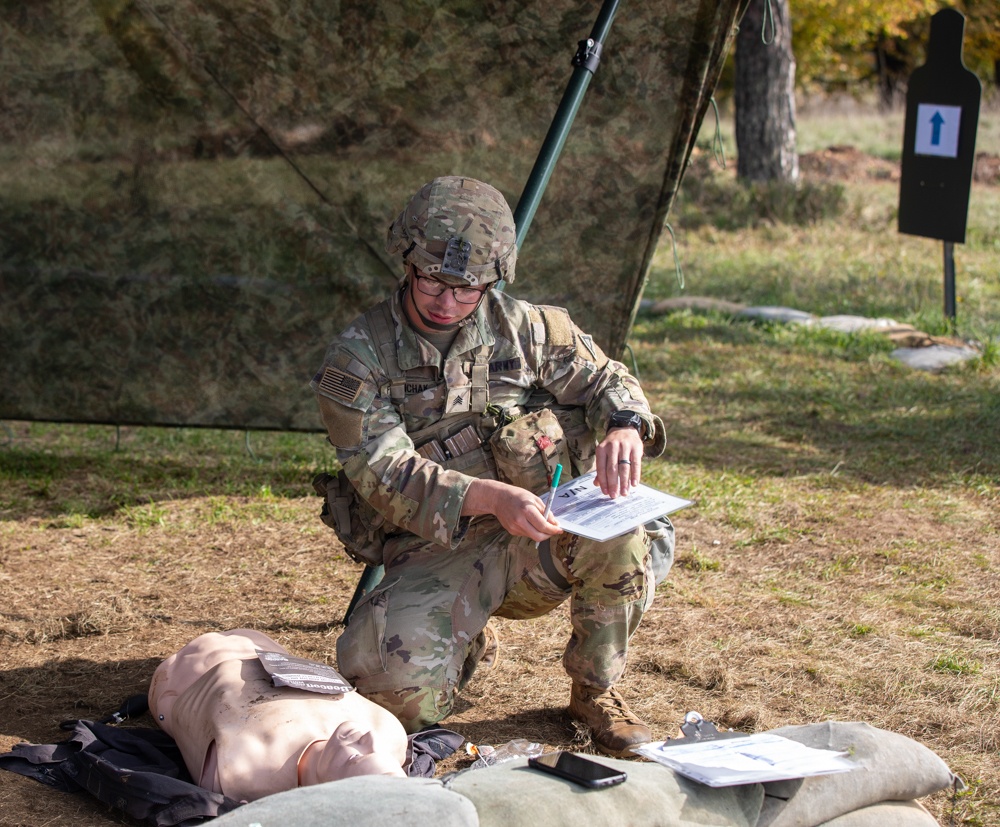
x,y
936,123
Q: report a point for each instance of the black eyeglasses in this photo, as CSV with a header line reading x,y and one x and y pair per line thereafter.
x,y
430,286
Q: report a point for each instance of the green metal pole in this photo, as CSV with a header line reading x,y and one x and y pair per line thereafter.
x,y
585,61
370,578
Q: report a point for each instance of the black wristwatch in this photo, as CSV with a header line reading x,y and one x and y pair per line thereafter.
x,y
626,419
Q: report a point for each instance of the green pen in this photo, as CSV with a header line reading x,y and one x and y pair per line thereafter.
x,y
552,496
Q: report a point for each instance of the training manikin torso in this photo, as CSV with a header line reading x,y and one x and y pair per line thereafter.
x,y
246,738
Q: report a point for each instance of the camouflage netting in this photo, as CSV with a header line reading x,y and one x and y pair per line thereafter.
x,y
195,193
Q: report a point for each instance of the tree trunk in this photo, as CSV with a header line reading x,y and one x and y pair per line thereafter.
x,y
765,95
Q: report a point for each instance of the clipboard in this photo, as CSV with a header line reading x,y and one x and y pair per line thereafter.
x,y
729,759
695,728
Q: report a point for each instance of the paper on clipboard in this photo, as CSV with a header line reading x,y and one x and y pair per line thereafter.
x,y
754,759
582,509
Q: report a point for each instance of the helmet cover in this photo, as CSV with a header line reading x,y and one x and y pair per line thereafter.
x,y
458,229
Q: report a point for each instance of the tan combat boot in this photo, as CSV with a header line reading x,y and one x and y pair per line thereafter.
x,y
614,728
491,648
484,654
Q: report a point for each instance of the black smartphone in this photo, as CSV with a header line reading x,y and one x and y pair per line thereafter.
x,y
576,768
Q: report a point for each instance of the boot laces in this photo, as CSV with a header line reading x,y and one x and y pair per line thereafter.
x,y
613,705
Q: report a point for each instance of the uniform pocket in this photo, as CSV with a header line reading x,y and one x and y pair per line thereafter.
x,y
361,649
580,439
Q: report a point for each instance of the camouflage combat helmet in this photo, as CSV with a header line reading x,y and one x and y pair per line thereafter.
x,y
458,229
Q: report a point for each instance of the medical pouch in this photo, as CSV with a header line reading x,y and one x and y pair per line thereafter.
x,y
528,450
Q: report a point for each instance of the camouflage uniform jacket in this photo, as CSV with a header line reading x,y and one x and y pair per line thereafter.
x,y
518,347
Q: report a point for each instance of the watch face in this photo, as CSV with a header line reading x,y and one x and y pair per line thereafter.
x,y
625,419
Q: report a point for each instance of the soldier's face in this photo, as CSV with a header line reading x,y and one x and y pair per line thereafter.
x,y
434,313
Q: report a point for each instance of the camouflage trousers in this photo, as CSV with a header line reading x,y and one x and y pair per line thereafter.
x,y
414,641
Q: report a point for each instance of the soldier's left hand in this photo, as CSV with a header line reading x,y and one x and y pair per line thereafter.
x,y
619,462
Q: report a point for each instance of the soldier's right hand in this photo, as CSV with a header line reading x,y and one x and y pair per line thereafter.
x,y
520,512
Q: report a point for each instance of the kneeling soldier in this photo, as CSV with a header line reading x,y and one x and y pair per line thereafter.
x,y
450,405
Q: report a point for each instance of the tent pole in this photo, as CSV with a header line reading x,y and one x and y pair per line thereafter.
x,y
370,578
585,63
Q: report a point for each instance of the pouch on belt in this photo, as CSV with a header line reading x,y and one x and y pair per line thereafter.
x,y
528,450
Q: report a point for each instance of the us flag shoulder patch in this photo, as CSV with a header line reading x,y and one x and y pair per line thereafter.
x,y
340,384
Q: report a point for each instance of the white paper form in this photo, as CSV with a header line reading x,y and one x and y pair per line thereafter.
x,y
582,509
746,760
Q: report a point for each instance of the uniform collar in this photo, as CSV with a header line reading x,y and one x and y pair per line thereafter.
x,y
412,351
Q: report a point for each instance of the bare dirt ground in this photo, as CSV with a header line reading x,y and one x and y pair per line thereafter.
x,y
846,163
754,636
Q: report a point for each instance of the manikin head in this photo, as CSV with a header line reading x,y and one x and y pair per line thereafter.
x,y
354,748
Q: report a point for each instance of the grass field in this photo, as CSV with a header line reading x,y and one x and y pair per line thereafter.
x,y
842,559
853,260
